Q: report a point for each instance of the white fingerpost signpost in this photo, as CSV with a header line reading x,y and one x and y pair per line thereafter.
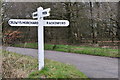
x,y
40,22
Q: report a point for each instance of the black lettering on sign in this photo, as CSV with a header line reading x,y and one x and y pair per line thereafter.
x,y
54,23
33,22
27,22
57,22
14,22
44,12
22,22
10,22
35,15
19,22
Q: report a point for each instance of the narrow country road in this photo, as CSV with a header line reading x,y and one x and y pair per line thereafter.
x,y
92,66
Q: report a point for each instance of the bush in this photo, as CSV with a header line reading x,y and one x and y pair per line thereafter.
x,y
12,37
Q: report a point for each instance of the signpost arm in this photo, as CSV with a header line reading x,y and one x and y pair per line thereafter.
x,y
40,38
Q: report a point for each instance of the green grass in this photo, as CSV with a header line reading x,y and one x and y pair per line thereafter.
x,y
76,49
55,69
20,66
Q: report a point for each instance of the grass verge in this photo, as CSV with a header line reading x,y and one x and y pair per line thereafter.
x,y
20,66
75,49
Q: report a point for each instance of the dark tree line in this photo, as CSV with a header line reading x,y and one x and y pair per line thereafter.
x,y
90,22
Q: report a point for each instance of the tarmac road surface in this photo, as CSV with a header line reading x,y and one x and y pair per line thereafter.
x,y
92,66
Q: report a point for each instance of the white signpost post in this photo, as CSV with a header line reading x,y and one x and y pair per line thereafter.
x,y
40,23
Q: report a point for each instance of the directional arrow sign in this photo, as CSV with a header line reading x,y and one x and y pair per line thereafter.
x,y
22,22
55,23
35,15
45,13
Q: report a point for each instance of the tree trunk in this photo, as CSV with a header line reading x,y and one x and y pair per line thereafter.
x,y
68,15
92,23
